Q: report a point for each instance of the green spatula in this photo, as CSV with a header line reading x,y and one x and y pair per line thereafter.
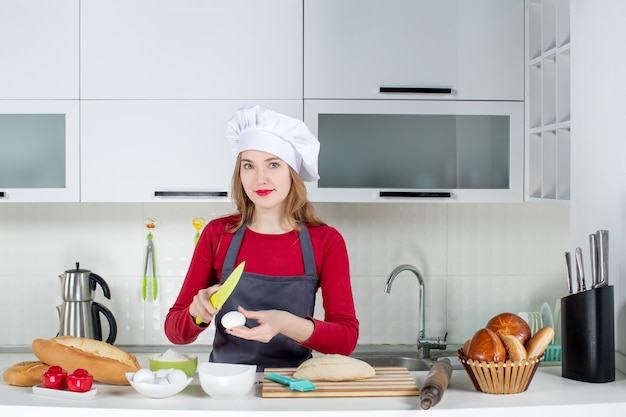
x,y
293,384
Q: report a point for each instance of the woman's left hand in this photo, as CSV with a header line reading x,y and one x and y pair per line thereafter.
x,y
271,323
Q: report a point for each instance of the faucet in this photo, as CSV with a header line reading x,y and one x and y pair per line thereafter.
x,y
424,344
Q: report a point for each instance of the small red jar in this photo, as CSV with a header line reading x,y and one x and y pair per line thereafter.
x,y
79,381
55,378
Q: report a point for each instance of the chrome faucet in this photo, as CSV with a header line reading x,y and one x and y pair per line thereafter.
x,y
424,344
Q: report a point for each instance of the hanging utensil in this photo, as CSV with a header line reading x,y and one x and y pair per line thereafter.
x,y
198,224
150,261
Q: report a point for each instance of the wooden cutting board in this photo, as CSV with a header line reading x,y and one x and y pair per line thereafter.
x,y
391,381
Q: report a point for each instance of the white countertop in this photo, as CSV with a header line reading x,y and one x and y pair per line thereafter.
x,y
548,392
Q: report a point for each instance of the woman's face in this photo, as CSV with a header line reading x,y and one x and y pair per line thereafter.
x,y
265,178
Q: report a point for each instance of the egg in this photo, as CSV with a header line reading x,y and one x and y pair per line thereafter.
x,y
233,319
161,381
162,373
176,376
145,376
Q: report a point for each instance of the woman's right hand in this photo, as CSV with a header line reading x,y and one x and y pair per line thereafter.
x,y
201,306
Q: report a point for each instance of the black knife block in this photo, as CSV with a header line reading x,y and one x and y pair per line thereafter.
x,y
588,335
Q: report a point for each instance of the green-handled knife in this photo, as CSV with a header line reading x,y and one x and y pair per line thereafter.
x,y
221,295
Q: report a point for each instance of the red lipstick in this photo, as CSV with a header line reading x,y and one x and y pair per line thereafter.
x,y
263,193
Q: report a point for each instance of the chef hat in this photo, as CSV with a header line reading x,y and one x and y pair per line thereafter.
x,y
261,129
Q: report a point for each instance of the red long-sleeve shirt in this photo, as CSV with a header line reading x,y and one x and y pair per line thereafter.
x,y
275,255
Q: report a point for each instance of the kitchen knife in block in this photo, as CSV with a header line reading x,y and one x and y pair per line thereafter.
x,y
220,296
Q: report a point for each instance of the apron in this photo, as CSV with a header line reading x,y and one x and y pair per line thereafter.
x,y
295,294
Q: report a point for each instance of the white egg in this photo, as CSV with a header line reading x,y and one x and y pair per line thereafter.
x,y
145,376
177,376
161,381
233,319
162,373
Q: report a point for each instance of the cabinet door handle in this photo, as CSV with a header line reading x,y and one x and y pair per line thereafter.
x,y
1,194
191,194
414,194
416,90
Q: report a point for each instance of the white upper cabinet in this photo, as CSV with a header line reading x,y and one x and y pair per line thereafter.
x,y
160,150
39,49
39,151
191,49
475,49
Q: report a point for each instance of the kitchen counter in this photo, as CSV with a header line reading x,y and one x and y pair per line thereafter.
x,y
548,393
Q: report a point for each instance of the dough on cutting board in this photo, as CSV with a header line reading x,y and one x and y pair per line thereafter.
x,y
334,368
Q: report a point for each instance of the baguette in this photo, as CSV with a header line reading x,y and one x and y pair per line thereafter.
x,y
105,362
25,374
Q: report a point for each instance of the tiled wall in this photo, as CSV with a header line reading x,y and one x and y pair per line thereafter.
x,y
477,260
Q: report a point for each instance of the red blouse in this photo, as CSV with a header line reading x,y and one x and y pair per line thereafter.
x,y
275,255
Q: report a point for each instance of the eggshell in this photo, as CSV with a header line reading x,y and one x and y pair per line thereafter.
x,y
162,373
233,319
176,376
145,376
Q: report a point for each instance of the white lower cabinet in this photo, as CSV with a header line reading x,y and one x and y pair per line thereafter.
x,y
160,150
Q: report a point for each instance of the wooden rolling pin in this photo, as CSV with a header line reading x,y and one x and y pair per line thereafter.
x,y
436,383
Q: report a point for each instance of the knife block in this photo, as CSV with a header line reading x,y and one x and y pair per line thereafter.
x,y
588,335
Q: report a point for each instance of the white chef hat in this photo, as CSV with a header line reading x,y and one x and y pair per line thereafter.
x,y
258,128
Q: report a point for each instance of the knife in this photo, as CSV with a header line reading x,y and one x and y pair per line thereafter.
x,y
568,266
580,271
593,258
602,237
221,295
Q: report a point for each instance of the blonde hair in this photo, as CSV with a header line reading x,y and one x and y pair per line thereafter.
x,y
297,208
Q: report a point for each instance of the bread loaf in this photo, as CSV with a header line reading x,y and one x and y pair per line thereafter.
x,y
105,362
509,323
515,351
25,374
486,346
539,342
334,368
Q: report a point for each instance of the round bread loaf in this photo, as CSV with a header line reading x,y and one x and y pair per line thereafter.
x,y
515,351
486,346
509,323
105,362
334,367
539,342
25,374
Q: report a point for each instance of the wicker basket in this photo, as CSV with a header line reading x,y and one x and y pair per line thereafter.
x,y
510,377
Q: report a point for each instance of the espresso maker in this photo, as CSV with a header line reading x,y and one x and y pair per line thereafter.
x,y
79,315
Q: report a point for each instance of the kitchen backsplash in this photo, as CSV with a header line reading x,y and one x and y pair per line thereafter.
x,y
477,260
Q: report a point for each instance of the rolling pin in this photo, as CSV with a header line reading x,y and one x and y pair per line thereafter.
x,y
435,383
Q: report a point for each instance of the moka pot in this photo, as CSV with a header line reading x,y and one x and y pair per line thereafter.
x,y
79,315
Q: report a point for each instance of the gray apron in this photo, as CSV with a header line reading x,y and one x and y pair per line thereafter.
x,y
295,294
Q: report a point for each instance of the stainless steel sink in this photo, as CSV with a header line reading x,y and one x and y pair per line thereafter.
x,y
406,359
412,364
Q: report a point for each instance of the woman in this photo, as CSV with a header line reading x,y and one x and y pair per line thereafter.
x,y
289,252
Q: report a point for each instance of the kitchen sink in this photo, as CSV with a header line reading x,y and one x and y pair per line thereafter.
x,y
407,359
412,364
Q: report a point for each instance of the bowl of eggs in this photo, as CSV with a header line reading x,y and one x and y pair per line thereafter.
x,y
174,360
158,384
226,380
